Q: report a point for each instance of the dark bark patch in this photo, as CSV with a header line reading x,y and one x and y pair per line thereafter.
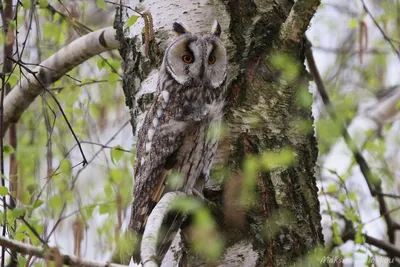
x,y
102,40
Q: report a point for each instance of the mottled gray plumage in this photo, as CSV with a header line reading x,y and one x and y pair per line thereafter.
x,y
175,135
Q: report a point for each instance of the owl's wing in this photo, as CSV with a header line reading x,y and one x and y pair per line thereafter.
x,y
158,141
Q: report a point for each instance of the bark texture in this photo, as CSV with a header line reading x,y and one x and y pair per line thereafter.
x,y
284,224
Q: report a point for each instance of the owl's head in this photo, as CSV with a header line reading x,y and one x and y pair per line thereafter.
x,y
197,59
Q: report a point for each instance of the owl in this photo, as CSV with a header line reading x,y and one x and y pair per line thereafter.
x,y
178,133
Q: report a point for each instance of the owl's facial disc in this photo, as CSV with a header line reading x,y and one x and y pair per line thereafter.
x,y
197,60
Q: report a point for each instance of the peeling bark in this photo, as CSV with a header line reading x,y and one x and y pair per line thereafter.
x,y
284,225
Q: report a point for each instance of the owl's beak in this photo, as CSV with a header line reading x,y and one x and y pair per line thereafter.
x,y
201,72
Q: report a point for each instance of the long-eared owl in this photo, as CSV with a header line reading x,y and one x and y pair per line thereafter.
x,y
178,133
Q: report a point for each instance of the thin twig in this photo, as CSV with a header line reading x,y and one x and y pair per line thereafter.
x,y
380,29
84,161
128,7
104,146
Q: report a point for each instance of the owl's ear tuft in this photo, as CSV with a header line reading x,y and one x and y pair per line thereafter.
x,y
216,29
180,28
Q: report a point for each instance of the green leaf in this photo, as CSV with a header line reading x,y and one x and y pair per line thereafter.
x,y
21,261
87,80
116,154
353,196
286,65
359,238
104,208
342,197
116,175
55,201
26,4
101,63
19,237
43,3
113,77
89,211
69,196
331,189
187,204
250,172
332,171
124,247
351,215
205,237
175,180
38,203
3,191
66,167
12,24
337,239
18,212
353,23
12,79
8,149
108,190
115,64
273,160
131,21
101,4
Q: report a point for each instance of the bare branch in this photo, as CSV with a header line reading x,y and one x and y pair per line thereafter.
x,y
40,253
25,92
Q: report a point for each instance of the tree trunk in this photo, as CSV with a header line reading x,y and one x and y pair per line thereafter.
x,y
283,225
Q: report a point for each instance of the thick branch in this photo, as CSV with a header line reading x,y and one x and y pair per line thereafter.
x,y
148,251
52,69
298,20
40,253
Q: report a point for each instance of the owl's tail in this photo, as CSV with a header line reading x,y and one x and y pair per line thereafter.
x,y
137,226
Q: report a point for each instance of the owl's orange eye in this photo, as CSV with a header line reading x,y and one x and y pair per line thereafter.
x,y
211,59
187,58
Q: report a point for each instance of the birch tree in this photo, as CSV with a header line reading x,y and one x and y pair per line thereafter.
x,y
270,151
